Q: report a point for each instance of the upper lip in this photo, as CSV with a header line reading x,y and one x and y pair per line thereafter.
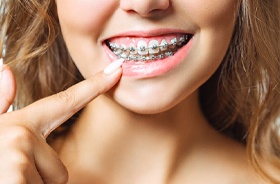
x,y
146,34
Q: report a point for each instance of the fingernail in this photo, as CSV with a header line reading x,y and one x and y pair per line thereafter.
x,y
1,67
114,66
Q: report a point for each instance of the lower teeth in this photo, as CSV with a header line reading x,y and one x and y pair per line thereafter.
x,y
146,57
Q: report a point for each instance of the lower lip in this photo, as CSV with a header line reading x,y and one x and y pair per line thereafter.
x,y
152,68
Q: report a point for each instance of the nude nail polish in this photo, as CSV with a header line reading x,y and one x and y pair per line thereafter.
x,y
114,66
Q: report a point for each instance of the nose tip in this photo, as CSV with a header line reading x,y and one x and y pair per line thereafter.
x,y
144,7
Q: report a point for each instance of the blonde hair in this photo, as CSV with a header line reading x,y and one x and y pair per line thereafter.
x,y
243,100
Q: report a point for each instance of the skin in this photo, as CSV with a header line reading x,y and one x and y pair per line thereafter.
x,y
87,26
163,139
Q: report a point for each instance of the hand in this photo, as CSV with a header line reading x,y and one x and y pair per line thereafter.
x,y
25,157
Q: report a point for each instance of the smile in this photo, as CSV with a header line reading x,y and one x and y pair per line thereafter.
x,y
147,57
145,49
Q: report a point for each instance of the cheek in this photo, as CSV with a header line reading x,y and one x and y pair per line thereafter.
x,y
82,22
84,16
215,20
212,13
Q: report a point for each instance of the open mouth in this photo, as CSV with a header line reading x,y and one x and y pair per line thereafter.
x,y
150,56
139,50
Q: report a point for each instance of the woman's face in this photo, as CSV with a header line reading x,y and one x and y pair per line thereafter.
x,y
171,46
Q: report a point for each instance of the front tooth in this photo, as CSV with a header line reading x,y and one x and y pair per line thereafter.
x,y
142,47
163,45
153,47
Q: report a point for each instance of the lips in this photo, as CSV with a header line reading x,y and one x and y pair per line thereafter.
x,y
149,56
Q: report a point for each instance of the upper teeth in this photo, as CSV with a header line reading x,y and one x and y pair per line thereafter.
x,y
174,41
153,47
164,45
142,47
148,51
133,49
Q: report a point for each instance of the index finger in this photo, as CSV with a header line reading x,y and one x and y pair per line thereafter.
x,y
49,113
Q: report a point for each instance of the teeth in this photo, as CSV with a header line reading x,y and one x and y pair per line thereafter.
x,y
181,41
144,58
153,47
153,50
135,58
161,56
153,57
164,45
124,55
112,45
127,58
174,41
117,52
124,50
142,47
169,53
116,48
132,49
123,47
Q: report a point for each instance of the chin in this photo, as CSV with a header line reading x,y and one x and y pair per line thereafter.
x,y
146,99
146,106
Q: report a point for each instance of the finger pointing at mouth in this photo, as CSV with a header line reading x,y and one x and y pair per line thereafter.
x,y
60,107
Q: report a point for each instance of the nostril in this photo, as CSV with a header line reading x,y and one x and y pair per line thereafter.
x,y
144,7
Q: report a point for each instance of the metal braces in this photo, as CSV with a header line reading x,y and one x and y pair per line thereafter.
x,y
174,42
146,58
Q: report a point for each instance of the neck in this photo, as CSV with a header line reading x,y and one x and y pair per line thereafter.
x,y
108,138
